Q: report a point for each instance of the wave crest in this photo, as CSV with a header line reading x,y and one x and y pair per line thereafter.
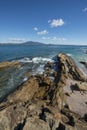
x,y
35,60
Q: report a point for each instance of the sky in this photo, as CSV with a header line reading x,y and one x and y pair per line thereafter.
x,y
46,21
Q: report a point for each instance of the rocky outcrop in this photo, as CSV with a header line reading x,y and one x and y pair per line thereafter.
x,y
43,103
75,85
8,64
70,69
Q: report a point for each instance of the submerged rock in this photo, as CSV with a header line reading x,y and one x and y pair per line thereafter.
x,y
43,104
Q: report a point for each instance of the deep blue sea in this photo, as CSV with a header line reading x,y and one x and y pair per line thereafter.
x,y
13,52
33,59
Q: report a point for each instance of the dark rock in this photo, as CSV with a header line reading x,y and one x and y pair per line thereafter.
x,y
85,117
84,63
48,65
61,127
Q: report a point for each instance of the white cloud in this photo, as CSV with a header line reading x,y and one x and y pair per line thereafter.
x,y
17,40
56,22
54,38
35,28
43,32
85,9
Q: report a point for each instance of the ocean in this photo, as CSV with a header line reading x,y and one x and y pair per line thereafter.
x,y
33,59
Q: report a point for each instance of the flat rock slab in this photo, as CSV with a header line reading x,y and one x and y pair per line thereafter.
x,y
76,100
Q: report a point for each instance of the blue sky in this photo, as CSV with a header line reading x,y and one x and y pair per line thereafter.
x,y
47,21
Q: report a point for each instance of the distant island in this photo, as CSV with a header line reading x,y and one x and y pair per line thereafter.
x,y
36,43
25,43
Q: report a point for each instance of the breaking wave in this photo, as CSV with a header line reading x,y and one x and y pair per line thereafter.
x,y
69,54
35,60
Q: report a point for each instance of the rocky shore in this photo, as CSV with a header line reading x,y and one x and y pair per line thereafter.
x,y
54,100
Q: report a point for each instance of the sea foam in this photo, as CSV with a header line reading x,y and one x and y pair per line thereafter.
x,y
35,60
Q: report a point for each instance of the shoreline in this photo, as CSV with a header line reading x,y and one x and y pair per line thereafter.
x,y
40,99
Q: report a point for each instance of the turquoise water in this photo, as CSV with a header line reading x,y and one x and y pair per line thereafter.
x,y
11,52
33,59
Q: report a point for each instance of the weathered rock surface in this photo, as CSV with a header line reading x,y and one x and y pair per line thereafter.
x,y
43,104
70,69
8,64
76,85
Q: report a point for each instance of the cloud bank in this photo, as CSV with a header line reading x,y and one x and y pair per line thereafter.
x,y
54,38
17,40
